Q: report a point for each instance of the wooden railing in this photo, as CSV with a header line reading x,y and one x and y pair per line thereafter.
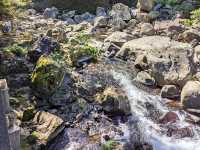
x,y
9,131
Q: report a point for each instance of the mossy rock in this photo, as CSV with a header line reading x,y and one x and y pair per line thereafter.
x,y
47,77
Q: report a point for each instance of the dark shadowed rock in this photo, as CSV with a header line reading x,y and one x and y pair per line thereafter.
x,y
190,95
170,91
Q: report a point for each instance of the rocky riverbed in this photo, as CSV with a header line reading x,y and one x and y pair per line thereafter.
x,y
123,78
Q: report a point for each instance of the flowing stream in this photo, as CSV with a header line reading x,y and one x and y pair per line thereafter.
x,y
151,130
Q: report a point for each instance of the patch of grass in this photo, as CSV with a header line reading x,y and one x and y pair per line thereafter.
x,y
79,47
109,145
16,50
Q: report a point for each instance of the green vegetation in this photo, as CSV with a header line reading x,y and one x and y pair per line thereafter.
x,y
4,6
16,50
79,47
8,7
47,76
59,57
194,18
168,2
110,145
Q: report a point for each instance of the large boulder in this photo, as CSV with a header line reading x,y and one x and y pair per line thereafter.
x,y
43,45
50,13
46,77
190,95
170,61
121,11
114,101
45,125
170,91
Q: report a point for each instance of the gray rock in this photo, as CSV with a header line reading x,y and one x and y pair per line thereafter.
x,y
69,14
117,24
69,21
110,49
100,11
141,62
88,17
7,27
197,54
145,78
119,38
147,29
45,125
190,95
114,101
50,13
121,11
132,24
84,17
133,12
171,62
190,35
143,17
31,11
101,21
170,91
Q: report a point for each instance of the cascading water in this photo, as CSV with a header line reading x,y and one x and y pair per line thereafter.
x,y
152,130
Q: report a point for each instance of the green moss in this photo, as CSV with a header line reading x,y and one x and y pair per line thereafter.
x,y
16,50
110,145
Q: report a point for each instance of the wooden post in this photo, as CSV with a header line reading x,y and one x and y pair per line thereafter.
x,y
4,138
9,131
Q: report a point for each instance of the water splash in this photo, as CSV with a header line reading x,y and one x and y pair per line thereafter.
x,y
137,99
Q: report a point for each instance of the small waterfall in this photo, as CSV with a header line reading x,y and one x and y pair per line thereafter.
x,y
150,129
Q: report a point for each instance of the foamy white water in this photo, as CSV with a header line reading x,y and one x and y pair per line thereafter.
x,y
137,98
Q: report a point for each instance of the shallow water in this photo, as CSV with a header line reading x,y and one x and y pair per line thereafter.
x,y
152,130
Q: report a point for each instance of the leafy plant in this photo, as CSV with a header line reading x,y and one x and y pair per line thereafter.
x,y
79,47
58,57
194,18
109,145
16,49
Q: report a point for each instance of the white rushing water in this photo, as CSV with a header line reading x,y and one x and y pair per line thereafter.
x,y
137,99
